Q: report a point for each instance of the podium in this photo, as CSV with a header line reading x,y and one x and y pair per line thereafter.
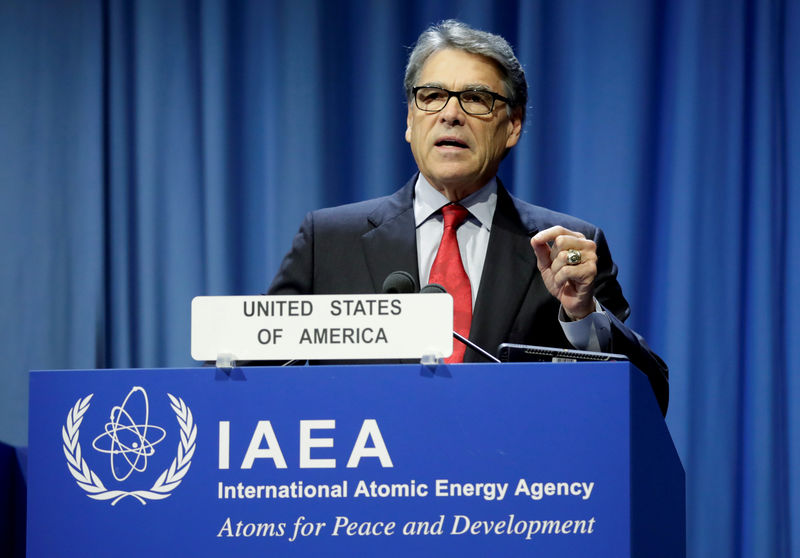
x,y
569,459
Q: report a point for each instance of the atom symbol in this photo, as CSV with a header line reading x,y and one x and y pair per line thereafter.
x,y
124,437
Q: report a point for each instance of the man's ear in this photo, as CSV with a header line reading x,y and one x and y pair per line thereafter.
x,y
514,128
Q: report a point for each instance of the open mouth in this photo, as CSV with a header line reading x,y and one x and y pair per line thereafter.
x,y
451,142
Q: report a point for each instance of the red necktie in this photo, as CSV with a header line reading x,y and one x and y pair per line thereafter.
x,y
448,271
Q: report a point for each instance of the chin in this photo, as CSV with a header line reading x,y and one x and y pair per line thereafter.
x,y
454,175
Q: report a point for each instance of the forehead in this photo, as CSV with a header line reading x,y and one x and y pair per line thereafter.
x,y
454,69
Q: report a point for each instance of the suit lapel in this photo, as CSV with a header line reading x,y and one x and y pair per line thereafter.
x,y
392,244
509,267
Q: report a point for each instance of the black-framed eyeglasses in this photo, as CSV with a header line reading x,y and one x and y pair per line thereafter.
x,y
473,101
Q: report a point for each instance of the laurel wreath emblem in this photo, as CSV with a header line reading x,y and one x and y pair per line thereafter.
x,y
164,484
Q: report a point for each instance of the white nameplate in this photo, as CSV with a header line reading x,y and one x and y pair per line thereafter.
x,y
349,327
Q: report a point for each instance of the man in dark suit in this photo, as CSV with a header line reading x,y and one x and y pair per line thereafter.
x,y
518,273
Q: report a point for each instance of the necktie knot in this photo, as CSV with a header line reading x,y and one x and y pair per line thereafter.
x,y
454,215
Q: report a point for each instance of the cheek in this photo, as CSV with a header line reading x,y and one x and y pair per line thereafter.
x,y
413,137
499,140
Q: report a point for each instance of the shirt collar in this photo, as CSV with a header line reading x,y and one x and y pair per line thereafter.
x,y
481,204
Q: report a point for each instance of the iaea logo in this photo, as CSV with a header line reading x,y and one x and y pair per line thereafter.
x,y
129,440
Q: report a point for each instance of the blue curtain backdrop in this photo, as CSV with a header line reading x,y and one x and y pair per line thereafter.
x,y
155,151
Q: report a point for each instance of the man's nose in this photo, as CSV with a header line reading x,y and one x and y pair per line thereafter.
x,y
452,113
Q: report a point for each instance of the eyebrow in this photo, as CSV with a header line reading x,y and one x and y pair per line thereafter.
x,y
467,87
477,87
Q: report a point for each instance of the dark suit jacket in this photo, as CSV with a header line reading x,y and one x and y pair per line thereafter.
x,y
352,248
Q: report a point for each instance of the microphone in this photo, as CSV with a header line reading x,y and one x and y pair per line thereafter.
x,y
434,288
437,288
399,282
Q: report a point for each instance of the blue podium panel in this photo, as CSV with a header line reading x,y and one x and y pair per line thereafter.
x,y
467,460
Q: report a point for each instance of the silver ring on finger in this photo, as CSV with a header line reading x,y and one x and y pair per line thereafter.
x,y
573,257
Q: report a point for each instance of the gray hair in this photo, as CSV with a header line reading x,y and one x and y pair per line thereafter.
x,y
457,35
